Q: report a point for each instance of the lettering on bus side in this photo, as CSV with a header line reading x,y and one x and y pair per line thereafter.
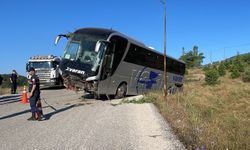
x,y
75,70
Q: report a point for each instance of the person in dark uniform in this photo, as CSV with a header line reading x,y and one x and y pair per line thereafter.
x,y
13,81
1,80
34,90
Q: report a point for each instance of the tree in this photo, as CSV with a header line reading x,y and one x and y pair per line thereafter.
x,y
246,76
246,58
222,69
192,58
235,72
238,63
207,67
212,76
228,64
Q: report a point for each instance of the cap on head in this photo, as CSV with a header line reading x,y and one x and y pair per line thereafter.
x,y
31,69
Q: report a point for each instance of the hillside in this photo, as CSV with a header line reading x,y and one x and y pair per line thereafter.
x,y
212,116
244,57
215,117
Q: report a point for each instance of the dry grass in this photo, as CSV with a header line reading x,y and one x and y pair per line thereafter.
x,y
216,117
4,91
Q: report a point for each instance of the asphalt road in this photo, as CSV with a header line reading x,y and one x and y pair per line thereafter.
x,y
74,121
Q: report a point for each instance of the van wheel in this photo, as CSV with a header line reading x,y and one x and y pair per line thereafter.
x,y
121,91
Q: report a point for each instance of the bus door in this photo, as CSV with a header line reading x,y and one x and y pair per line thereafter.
x,y
110,78
106,68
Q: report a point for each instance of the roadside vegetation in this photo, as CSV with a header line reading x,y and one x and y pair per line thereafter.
x,y
237,67
213,111
215,117
6,85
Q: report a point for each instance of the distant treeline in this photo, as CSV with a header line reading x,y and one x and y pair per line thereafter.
x,y
6,80
238,66
244,57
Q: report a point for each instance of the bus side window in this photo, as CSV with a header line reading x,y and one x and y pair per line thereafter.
x,y
120,45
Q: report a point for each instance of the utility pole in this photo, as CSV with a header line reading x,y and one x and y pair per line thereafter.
x,y
165,59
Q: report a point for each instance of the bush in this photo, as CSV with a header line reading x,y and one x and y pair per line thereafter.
x,y
207,67
222,69
235,72
238,63
212,77
246,76
241,67
228,64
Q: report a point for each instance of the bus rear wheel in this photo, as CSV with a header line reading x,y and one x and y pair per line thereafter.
x,y
121,91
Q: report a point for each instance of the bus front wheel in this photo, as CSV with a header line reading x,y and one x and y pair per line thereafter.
x,y
121,91
97,96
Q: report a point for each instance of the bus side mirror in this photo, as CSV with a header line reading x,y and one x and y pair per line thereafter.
x,y
57,39
60,36
101,43
97,46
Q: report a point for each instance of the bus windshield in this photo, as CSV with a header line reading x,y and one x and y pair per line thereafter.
x,y
81,47
43,65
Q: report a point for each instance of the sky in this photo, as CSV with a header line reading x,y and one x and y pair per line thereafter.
x,y
220,28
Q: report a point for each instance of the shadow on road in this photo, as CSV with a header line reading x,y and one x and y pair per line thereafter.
x,y
10,100
52,88
90,96
49,115
17,114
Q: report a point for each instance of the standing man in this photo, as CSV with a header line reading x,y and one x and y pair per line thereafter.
x,y
1,81
34,90
13,81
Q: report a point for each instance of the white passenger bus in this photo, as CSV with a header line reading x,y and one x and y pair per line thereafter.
x,y
106,62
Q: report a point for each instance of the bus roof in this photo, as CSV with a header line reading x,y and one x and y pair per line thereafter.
x,y
108,32
100,31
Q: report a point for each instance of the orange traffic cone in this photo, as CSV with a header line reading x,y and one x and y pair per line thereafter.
x,y
24,96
